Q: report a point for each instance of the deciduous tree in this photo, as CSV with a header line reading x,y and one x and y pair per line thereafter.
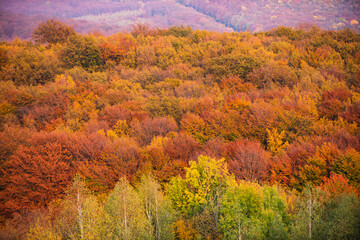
x,y
52,31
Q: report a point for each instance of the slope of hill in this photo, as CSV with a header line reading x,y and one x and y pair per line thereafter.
x,y
218,119
262,15
228,15
107,17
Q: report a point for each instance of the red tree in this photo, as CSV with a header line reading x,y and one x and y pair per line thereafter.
x,y
149,128
117,159
35,175
182,147
338,185
248,160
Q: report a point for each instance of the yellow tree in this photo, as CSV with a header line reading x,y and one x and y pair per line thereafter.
x,y
198,196
275,140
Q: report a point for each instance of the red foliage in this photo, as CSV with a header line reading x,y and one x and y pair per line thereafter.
x,y
298,153
343,140
333,102
10,139
93,126
248,160
33,176
182,147
215,148
120,158
352,113
149,128
272,73
112,114
86,147
43,115
337,185
234,85
281,170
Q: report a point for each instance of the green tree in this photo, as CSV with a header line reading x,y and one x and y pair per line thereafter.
x,y
343,217
308,222
273,217
240,212
158,209
198,196
126,217
82,51
82,216
321,215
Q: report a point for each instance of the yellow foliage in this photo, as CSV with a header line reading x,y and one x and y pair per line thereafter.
x,y
65,80
121,128
158,141
111,134
101,132
275,140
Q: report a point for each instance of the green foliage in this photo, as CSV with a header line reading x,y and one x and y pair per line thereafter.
x,y
200,193
205,183
278,107
82,51
29,65
82,216
180,31
319,216
125,214
240,212
274,217
250,211
158,209
239,65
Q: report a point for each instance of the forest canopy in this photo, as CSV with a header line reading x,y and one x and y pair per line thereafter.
x,y
180,134
19,17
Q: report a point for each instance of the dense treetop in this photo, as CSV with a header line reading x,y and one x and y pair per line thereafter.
x,y
189,126
18,17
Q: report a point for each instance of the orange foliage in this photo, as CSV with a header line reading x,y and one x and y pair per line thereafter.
x,y
337,185
116,47
117,159
233,85
35,175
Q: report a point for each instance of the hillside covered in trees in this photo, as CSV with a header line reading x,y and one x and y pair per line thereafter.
x,y
19,17
180,134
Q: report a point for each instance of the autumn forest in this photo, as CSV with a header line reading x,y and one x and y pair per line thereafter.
x,y
178,133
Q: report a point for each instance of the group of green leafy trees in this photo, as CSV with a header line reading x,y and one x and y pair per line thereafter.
x,y
207,204
180,134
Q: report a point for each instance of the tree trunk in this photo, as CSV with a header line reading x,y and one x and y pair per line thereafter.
x,y
80,216
310,214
